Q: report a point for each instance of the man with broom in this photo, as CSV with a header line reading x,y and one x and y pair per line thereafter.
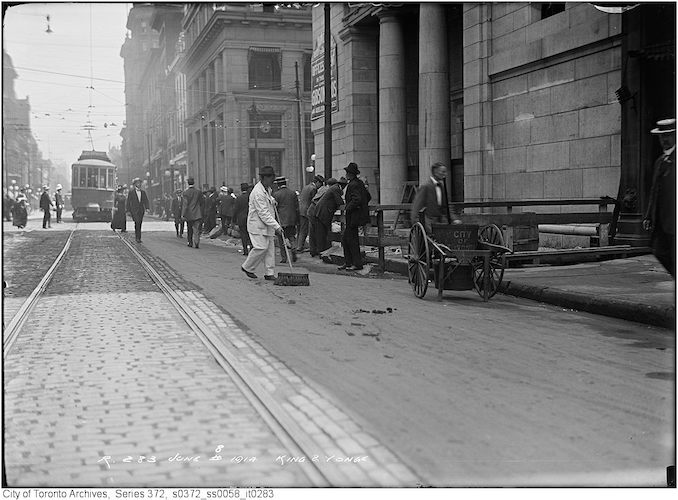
x,y
262,226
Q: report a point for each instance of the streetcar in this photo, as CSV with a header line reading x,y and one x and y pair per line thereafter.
x,y
93,187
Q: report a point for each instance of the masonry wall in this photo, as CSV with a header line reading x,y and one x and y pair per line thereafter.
x,y
541,116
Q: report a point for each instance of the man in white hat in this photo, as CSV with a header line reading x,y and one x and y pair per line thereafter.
x,y
58,203
660,217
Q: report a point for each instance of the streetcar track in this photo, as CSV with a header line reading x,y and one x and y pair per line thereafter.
x,y
279,421
11,331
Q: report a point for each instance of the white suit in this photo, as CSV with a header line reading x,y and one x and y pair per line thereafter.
x,y
261,226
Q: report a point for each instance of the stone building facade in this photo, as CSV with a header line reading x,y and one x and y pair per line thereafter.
x,y
136,53
520,100
241,63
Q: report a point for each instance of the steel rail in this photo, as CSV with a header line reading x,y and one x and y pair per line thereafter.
x,y
11,332
281,423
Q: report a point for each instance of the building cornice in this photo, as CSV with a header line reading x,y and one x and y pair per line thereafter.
x,y
222,20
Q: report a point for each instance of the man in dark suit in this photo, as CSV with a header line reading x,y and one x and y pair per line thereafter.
x,y
175,209
288,211
240,210
193,211
357,214
137,205
46,206
58,203
432,195
660,217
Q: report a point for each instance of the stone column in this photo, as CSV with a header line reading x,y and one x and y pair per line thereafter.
x,y
218,74
392,116
434,89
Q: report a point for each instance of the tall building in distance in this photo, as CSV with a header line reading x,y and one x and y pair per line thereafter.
x,y
136,52
241,63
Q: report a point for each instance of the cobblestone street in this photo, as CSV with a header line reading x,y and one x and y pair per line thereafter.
x,y
107,385
110,384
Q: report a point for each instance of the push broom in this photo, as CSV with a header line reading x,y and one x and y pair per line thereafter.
x,y
291,278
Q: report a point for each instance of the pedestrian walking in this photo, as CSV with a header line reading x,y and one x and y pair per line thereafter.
x,y
432,195
226,204
175,208
288,212
137,205
240,209
46,206
660,216
20,210
330,201
305,197
168,207
313,220
7,204
357,215
119,211
192,211
262,226
59,203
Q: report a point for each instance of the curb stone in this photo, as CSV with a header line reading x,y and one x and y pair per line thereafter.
x,y
641,313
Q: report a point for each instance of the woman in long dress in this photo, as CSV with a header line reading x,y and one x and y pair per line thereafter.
x,y
119,216
20,210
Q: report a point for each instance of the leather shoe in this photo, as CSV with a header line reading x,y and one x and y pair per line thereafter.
x,y
269,277
197,246
249,274
189,244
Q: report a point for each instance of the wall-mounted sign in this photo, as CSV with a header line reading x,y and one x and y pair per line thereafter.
x,y
318,79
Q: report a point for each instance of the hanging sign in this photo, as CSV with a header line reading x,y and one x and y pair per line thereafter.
x,y
318,79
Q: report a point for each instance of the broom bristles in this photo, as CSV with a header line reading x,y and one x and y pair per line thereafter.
x,y
287,279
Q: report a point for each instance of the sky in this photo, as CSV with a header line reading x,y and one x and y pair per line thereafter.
x,y
55,70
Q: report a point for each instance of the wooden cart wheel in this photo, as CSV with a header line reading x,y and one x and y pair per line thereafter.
x,y
489,234
418,260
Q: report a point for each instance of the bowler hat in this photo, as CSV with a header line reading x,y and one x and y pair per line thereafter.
x,y
352,169
665,126
244,186
266,171
190,181
319,178
331,181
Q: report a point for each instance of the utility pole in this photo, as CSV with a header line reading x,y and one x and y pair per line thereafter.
x,y
328,95
302,181
255,114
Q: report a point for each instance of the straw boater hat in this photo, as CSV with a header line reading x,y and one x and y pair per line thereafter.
x,y
666,126
223,189
280,181
59,187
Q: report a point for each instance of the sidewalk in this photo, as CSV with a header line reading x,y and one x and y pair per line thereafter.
x,y
636,289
